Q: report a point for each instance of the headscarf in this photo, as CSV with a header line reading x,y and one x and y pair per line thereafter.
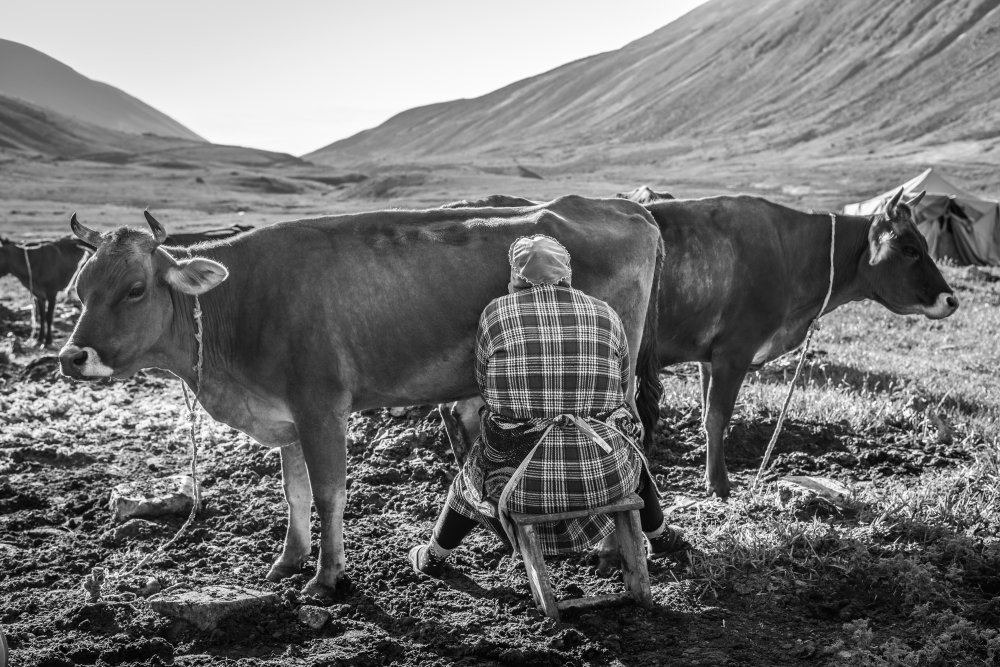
x,y
539,260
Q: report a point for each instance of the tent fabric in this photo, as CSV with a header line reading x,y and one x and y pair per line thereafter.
x,y
956,223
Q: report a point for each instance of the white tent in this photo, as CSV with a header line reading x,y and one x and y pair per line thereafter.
x,y
957,224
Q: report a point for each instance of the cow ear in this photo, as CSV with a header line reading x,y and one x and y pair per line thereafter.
x,y
196,276
878,245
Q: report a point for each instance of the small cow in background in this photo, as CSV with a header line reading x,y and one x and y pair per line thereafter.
x,y
645,195
45,269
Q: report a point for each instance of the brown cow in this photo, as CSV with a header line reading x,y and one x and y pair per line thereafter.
x,y
645,195
306,321
742,280
45,269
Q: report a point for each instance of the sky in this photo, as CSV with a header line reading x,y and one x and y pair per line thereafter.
x,y
296,75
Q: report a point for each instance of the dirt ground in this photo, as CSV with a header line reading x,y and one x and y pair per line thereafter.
x,y
63,445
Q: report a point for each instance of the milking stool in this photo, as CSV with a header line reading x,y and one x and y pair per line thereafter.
x,y
631,548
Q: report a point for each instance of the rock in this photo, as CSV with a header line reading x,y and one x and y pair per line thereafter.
x,y
129,530
150,587
313,616
204,608
167,495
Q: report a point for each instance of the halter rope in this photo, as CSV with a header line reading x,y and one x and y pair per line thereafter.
x,y
802,357
97,576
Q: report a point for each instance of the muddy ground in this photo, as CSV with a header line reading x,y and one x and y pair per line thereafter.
x,y
64,445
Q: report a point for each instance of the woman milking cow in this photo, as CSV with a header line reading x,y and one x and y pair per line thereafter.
x,y
558,433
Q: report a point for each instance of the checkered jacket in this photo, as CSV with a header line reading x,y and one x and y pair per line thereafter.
x,y
550,350
543,352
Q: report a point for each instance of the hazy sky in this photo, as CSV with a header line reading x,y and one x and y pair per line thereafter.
x,y
295,75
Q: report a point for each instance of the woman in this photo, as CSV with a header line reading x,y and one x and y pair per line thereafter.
x,y
558,433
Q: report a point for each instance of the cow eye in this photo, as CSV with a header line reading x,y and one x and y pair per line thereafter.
x,y
136,291
910,252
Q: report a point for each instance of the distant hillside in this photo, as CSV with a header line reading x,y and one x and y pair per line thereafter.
x,y
819,75
36,78
28,127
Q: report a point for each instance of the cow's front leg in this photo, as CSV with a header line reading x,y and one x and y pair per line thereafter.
x,y
322,435
298,495
723,388
37,313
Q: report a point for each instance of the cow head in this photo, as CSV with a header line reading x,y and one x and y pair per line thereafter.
x,y
130,289
901,273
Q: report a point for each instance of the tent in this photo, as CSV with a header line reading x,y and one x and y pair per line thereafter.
x,y
957,224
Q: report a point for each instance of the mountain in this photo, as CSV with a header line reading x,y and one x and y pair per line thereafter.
x,y
818,75
36,78
31,128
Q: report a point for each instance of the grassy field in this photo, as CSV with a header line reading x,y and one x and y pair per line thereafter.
x,y
903,569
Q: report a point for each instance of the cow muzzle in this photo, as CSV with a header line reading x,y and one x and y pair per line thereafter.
x,y
82,363
945,304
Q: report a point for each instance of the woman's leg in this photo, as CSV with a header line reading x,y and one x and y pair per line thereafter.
x,y
451,528
651,514
449,531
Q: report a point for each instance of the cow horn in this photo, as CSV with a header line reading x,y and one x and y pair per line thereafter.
x,y
159,233
916,200
84,233
891,206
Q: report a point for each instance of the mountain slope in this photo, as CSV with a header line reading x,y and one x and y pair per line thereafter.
x,y
771,74
36,78
28,127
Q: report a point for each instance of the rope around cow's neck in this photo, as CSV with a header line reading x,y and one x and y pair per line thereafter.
x,y
97,576
802,357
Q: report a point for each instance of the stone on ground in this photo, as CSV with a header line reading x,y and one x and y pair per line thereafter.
x,y
204,608
313,616
157,497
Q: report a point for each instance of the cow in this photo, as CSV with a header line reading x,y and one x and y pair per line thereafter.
x,y
491,201
45,268
645,195
306,321
192,238
743,280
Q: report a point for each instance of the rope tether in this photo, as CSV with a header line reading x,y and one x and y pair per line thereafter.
x,y
802,358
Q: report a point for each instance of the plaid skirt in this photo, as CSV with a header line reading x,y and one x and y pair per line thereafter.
x,y
569,470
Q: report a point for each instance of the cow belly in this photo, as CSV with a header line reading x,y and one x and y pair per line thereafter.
x,y
780,342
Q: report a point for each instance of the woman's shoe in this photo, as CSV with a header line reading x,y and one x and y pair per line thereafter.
x,y
668,543
424,562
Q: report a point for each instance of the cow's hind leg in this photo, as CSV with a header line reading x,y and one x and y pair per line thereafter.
x,y
460,421
50,312
298,495
322,434
723,388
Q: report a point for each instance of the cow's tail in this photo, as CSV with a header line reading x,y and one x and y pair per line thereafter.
x,y
647,368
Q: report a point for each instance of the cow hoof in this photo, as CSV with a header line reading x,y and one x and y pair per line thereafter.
x,y
280,571
319,590
721,491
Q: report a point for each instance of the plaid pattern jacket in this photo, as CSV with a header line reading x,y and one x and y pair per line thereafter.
x,y
541,353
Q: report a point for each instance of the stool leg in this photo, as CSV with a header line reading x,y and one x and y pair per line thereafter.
x,y
538,576
633,557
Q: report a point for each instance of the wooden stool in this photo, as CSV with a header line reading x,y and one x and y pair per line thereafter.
x,y
631,548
